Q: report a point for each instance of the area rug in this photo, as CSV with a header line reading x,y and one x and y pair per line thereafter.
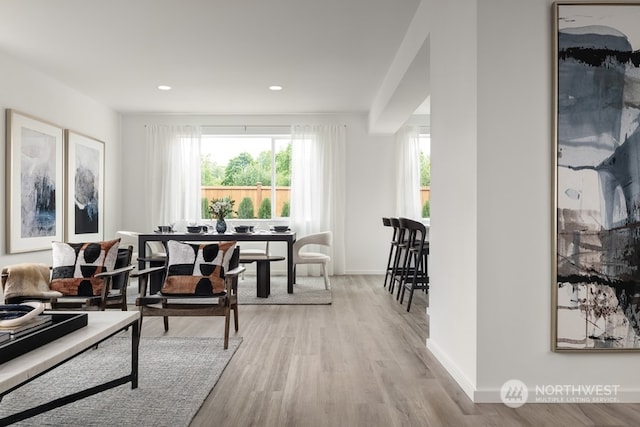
x,y
308,290
175,377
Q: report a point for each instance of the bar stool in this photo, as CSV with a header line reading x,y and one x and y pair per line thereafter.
x,y
416,275
400,256
393,245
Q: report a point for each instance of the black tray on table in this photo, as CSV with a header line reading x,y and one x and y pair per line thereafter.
x,y
62,324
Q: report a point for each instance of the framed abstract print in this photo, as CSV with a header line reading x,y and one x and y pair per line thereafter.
x,y
596,283
34,183
85,188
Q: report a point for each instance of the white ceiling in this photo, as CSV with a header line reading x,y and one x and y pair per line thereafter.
x,y
219,56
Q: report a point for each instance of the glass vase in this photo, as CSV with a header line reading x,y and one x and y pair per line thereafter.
x,y
221,226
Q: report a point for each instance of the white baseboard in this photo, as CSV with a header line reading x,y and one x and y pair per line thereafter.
x,y
459,377
365,272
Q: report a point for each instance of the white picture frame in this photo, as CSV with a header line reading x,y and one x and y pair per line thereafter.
x,y
35,183
84,188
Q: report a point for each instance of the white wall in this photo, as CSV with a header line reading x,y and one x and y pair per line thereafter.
x,y
490,297
491,233
30,92
370,179
454,228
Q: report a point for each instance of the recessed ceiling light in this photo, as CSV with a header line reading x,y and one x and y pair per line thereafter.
x,y
275,87
164,87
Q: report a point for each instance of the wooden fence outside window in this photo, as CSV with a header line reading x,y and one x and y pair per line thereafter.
x,y
257,193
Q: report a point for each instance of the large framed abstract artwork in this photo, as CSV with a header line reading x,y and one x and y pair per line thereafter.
x,y
596,283
35,170
34,184
85,188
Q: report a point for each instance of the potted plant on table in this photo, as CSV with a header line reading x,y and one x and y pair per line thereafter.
x,y
220,209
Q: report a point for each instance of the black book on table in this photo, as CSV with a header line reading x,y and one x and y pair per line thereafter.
x,y
4,337
38,322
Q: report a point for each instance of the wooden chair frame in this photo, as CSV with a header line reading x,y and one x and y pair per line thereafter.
x,y
98,302
165,306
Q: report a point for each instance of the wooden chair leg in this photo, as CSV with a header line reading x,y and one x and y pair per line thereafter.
x,y
227,320
165,318
140,321
235,316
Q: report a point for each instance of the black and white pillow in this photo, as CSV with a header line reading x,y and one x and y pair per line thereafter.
x,y
197,269
76,264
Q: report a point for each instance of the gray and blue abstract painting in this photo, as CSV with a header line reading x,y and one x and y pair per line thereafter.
x,y
598,179
38,184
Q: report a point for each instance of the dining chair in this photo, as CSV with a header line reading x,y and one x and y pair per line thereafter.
x,y
153,249
155,253
307,257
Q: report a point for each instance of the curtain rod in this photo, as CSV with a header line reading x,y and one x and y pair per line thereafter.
x,y
256,126
247,126
236,126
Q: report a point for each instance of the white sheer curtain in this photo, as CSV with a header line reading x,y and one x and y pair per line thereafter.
x,y
173,173
318,194
408,202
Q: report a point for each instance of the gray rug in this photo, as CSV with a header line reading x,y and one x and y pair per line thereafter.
x,y
308,290
175,377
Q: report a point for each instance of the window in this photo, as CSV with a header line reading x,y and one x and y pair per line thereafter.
x,y
424,141
254,170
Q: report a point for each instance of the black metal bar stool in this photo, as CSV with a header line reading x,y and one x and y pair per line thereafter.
x,y
416,273
400,256
393,246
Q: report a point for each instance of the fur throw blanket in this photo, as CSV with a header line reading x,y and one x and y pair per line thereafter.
x,y
28,280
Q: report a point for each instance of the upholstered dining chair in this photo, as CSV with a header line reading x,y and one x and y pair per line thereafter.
x,y
324,238
153,249
201,279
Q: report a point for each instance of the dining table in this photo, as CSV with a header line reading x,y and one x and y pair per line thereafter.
x,y
289,237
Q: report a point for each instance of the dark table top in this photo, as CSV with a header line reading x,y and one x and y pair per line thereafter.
x,y
259,236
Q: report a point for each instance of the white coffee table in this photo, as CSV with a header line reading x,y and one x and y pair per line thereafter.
x,y
100,326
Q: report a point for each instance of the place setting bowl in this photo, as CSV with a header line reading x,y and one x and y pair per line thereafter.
x,y
196,229
164,229
280,228
243,229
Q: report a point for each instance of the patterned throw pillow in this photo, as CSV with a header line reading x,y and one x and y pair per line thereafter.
x,y
76,264
197,269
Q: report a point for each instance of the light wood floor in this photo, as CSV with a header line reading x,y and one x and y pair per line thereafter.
x,y
361,361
